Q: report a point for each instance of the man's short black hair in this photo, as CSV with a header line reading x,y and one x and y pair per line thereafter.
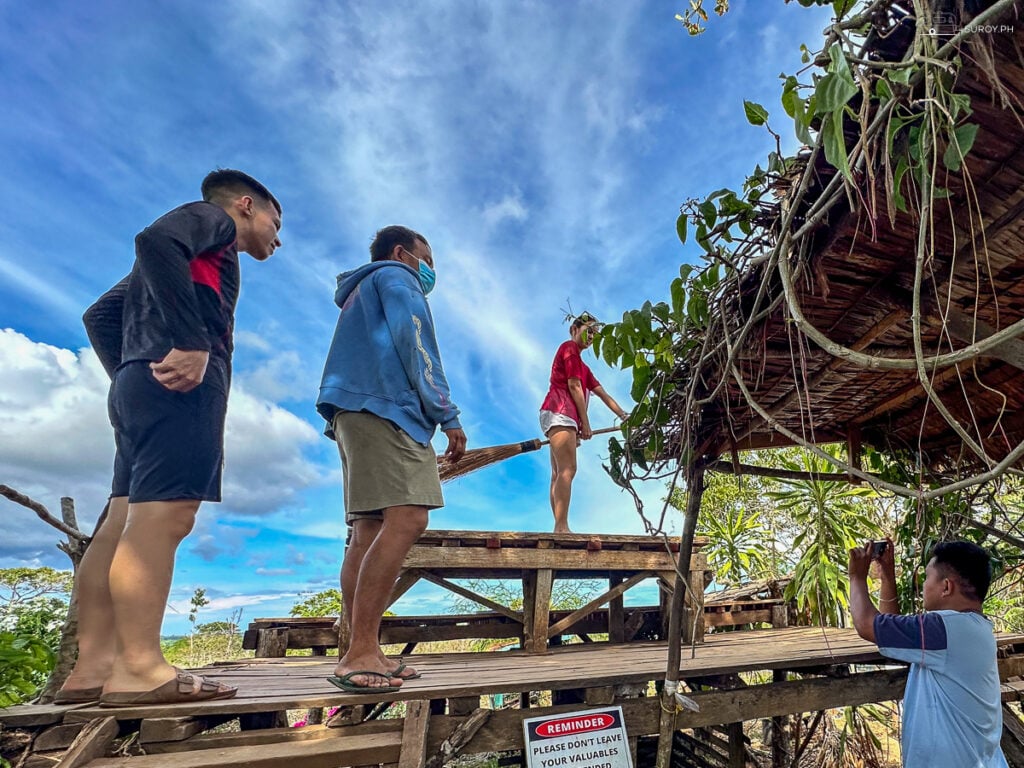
x,y
966,562
226,184
386,239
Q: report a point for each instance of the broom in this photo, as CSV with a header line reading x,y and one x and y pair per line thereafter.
x,y
478,458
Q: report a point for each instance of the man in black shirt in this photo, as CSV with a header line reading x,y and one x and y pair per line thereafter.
x,y
164,334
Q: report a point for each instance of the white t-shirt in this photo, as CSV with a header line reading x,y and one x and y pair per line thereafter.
x,y
951,709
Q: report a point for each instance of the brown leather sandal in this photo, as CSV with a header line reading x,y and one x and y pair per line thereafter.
x,y
184,687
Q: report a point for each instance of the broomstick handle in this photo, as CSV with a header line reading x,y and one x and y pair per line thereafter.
x,y
603,431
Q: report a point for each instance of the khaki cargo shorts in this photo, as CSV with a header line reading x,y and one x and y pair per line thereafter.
x,y
383,467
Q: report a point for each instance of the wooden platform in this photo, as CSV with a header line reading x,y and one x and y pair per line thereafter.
x,y
639,623
603,674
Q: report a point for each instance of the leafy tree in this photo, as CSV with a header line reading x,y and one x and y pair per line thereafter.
x,y
738,520
736,548
19,585
25,662
209,642
833,516
326,603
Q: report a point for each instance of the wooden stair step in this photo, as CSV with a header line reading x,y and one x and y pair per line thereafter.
x,y
371,749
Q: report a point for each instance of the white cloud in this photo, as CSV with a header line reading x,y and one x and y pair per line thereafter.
x,y
56,440
509,207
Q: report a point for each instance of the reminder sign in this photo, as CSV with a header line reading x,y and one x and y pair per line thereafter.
x,y
595,738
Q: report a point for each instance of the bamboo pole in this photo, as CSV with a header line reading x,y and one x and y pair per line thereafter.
x,y
695,486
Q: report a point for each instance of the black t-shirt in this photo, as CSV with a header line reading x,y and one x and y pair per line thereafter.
x,y
181,292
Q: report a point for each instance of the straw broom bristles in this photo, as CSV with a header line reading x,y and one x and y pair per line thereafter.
x,y
478,458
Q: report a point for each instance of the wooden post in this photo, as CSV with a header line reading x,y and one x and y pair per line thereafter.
x,y
414,735
781,752
695,486
616,613
541,611
271,643
737,746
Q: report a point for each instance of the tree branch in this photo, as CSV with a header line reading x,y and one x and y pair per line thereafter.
x,y
42,512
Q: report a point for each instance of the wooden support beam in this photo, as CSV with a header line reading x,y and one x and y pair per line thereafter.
x,y
1012,741
504,731
737,746
459,738
616,613
515,559
92,742
504,610
403,584
597,602
271,642
537,632
373,749
414,735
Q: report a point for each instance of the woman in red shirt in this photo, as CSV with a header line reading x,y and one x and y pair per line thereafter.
x,y
563,415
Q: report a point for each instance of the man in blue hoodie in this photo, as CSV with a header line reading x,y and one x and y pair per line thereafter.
x,y
383,394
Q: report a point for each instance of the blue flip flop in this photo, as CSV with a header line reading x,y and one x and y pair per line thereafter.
x,y
346,683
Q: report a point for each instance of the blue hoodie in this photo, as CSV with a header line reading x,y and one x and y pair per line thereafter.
x,y
384,358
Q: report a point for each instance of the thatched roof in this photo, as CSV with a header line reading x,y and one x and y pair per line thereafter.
x,y
853,280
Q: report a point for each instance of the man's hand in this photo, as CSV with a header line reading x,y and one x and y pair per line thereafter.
x,y
586,432
182,370
860,561
887,563
456,444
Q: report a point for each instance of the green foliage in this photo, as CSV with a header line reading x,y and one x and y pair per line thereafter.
x,y
34,603
566,594
737,550
207,643
832,516
20,584
736,516
25,662
326,603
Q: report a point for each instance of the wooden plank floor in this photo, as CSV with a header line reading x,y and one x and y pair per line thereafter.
x,y
299,682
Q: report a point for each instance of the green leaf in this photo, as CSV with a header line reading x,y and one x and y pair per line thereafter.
x,y
681,228
842,7
832,93
678,295
901,76
959,145
756,114
835,144
709,212
882,90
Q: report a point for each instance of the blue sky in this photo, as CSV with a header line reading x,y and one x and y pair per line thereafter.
x,y
543,148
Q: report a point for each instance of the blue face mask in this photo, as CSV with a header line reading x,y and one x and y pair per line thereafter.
x,y
427,277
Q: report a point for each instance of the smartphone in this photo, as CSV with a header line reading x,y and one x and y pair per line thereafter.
x,y
878,549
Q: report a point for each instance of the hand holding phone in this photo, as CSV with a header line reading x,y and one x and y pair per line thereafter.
x,y
878,549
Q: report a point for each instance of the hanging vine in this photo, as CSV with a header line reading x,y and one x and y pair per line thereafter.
x,y
890,126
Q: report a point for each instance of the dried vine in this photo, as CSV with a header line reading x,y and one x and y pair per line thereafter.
x,y
911,126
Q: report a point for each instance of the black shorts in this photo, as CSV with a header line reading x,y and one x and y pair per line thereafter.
x,y
170,445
